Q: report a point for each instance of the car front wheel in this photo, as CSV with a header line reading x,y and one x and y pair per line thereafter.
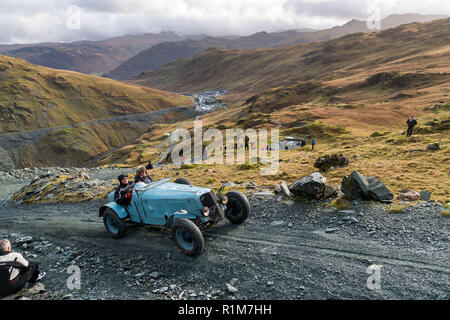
x,y
238,207
188,237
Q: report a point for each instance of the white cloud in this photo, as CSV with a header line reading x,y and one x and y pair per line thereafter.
x,y
26,21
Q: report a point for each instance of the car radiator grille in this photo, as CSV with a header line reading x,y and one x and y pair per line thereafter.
x,y
210,200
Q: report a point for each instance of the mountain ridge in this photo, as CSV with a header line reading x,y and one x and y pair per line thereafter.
x,y
157,56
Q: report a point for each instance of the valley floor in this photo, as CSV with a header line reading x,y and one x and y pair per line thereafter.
x,y
284,251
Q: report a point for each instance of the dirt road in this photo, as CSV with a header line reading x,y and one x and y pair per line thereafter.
x,y
284,251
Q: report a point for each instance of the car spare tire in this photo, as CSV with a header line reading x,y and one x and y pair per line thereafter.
x,y
183,181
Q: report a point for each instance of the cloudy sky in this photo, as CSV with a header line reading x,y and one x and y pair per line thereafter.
x,y
26,21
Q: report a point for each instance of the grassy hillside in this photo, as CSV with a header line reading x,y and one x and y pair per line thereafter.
x,y
409,47
353,94
69,104
33,97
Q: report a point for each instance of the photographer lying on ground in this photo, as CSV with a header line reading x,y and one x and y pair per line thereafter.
x,y
15,271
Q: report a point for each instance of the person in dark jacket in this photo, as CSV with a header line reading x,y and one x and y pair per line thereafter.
x,y
122,195
313,143
141,175
411,122
15,271
149,165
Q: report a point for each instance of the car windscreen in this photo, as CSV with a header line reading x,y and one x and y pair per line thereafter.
x,y
153,185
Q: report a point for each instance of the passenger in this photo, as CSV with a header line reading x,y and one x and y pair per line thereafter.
x,y
141,175
15,271
122,195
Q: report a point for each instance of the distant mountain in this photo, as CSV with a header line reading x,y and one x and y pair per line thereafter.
x,y
355,26
245,72
163,53
86,58
90,57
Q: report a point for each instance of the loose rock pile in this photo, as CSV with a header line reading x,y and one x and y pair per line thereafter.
x,y
53,188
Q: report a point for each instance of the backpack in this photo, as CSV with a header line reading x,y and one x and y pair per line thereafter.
x,y
6,269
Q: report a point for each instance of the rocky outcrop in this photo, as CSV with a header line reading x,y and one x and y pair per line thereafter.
x,y
330,161
29,174
50,188
313,187
359,187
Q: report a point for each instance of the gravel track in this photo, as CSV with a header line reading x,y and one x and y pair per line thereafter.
x,y
282,252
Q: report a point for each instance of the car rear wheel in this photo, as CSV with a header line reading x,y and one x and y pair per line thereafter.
x,y
188,237
183,181
238,207
115,226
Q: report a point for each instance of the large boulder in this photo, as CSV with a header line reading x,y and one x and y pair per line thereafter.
x,y
329,161
311,187
378,191
355,186
358,187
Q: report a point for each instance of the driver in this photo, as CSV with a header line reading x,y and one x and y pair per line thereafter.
x,y
141,175
122,195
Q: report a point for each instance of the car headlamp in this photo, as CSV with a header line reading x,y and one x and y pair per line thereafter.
x,y
205,211
224,200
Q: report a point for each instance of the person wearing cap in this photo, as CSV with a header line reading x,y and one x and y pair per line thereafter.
x,y
122,195
141,175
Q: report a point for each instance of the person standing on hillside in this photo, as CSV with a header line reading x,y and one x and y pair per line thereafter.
x,y
15,271
313,143
411,122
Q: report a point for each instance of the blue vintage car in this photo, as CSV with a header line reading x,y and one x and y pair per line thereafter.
x,y
187,210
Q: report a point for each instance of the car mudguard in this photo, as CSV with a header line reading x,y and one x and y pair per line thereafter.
x,y
121,212
177,215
